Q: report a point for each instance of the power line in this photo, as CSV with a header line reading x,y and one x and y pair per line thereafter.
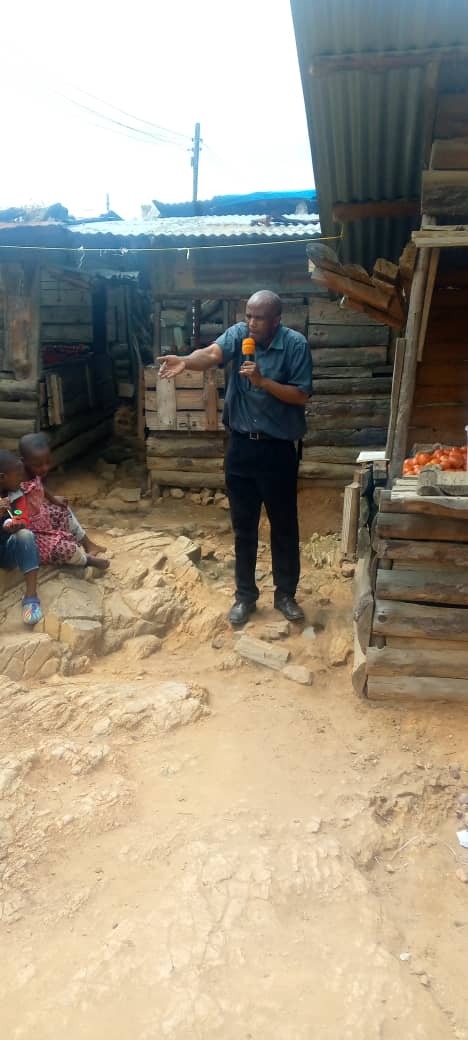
x,y
158,138
122,111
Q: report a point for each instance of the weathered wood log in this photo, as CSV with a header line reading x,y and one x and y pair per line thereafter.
x,y
414,643
178,447
403,687
19,409
334,419
448,553
335,335
359,673
341,372
341,472
427,528
452,116
186,465
341,404
327,312
423,586
445,192
261,652
420,620
450,155
361,386
363,598
365,437
385,271
12,390
444,508
16,428
330,454
194,479
381,300
349,356
349,527
430,662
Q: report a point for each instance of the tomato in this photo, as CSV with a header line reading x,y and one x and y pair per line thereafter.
x,y
422,458
445,464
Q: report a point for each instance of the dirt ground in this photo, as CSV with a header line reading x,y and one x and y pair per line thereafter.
x,y
273,861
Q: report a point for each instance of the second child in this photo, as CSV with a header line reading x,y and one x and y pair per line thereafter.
x,y
59,536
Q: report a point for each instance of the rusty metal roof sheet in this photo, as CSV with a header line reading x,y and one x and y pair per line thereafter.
x,y
366,124
201,227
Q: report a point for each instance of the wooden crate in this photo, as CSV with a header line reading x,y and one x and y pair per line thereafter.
x,y
419,639
193,401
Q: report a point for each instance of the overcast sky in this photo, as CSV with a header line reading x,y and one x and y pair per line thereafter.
x,y
231,66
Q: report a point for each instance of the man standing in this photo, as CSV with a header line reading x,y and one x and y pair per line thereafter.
x,y
265,414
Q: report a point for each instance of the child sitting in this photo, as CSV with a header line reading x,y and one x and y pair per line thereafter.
x,y
17,545
59,536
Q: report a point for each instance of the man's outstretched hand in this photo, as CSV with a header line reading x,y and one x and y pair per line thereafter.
x,y
171,366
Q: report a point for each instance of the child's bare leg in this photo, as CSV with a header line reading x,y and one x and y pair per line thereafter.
x,y
96,561
30,581
92,547
82,538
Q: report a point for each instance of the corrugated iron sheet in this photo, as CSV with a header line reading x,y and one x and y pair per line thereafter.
x,y
366,126
198,227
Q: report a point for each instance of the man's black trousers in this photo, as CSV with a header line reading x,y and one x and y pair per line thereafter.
x,y
263,471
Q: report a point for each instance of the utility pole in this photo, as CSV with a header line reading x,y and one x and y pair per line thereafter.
x,y
107,202
196,306
195,161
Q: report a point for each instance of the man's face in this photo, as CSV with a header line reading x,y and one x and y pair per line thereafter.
x,y
262,322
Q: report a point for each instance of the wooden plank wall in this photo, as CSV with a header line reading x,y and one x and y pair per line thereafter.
x,y
350,406
77,397
419,643
349,409
440,408
19,351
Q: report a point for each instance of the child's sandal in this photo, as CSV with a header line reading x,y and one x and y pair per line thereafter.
x,y
32,612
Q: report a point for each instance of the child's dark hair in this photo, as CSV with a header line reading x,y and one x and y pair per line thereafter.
x,y
33,443
9,461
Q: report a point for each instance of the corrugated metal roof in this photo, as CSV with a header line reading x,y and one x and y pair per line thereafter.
x,y
366,125
199,227
256,202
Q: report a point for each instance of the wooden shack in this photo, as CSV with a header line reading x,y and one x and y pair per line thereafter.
x,y
411,594
70,341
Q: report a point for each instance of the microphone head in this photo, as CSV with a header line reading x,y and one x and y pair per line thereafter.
x,y
248,347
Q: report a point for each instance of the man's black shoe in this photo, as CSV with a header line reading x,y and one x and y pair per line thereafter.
x,y
240,612
288,606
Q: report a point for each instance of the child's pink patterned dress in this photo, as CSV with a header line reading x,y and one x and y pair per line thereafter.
x,y
50,524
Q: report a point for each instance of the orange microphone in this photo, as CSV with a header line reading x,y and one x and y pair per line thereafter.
x,y
248,348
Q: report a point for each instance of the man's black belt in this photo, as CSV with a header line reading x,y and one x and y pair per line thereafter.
x,y
256,436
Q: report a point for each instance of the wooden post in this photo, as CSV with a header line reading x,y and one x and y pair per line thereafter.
x,y
395,398
408,380
431,278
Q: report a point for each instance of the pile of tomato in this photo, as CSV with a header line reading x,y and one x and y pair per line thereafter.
x,y
446,458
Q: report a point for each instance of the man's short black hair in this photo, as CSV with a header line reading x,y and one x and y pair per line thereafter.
x,y
9,461
33,443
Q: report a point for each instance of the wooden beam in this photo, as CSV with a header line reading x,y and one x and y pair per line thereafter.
x,y
450,155
395,396
430,283
347,212
452,116
381,61
420,620
425,688
445,192
437,663
388,304
424,586
441,236
408,379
